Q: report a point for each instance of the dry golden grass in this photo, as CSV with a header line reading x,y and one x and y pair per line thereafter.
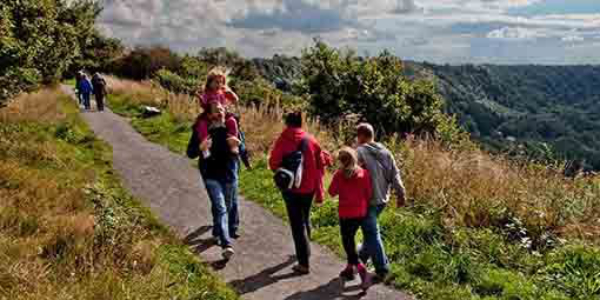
x,y
42,106
67,229
471,187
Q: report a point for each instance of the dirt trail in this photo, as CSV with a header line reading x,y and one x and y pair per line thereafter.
x,y
170,185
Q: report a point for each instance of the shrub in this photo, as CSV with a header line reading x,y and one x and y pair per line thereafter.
x,y
339,83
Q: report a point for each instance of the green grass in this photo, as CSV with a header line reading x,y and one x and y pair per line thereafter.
x,y
429,259
70,230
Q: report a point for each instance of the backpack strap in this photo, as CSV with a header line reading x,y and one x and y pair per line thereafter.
x,y
303,144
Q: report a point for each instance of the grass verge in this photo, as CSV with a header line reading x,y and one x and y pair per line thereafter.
x,y
480,228
68,229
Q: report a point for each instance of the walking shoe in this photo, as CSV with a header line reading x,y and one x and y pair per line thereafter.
x,y
365,277
348,273
379,277
235,235
228,253
302,270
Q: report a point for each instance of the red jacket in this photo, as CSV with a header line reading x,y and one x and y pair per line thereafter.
x,y
355,193
315,160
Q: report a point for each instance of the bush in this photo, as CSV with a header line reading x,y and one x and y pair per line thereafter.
x,y
339,83
39,40
176,83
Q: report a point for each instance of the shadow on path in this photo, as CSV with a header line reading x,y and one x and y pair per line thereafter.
x,y
263,279
334,289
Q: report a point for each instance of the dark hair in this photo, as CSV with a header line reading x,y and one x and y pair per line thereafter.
x,y
294,119
366,130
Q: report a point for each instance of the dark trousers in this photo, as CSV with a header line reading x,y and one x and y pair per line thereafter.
x,y
86,100
348,228
99,101
298,209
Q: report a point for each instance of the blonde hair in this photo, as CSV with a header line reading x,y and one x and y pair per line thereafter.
x,y
215,73
349,161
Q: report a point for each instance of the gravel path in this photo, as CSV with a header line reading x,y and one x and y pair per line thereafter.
x,y
170,185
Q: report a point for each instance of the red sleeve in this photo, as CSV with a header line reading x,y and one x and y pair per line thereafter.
x,y
276,155
319,170
232,126
334,189
231,97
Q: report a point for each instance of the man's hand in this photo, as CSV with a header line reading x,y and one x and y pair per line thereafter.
x,y
401,202
206,144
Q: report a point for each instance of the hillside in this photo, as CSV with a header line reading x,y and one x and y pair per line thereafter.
x,y
501,105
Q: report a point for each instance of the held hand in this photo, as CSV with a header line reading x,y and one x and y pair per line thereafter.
x,y
206,144
319,203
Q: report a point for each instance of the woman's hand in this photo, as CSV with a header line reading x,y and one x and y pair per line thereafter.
x,y
206,144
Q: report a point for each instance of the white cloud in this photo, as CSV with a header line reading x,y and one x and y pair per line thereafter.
x,y
515,33
434,30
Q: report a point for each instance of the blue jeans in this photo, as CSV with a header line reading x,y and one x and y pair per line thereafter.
x,y
224,207
372,247
86,100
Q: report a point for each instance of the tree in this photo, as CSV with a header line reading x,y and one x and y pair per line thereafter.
x,y
39,40
338,83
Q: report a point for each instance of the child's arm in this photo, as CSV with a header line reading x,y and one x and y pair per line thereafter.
x,y
231,96
334,189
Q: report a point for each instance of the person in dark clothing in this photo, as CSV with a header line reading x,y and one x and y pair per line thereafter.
x,y
219,169
85,89
298,200
100,90
78,77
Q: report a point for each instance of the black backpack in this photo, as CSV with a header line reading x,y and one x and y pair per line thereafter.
x,y
289,175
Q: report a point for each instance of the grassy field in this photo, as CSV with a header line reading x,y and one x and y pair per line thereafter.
x,y
477,226
68,229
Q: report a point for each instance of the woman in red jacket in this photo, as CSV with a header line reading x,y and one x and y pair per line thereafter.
x,y
353,186
299,200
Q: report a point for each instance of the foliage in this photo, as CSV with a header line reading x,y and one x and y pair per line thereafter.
x,y
68,229
338,83
554,105
476,227
99,54
144,62
39,40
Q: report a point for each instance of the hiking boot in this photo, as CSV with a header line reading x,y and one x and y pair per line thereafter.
x,y
348,273
302,270
379,277
228,253
365,277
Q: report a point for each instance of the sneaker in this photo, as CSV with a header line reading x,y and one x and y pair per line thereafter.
x,y
379,277
348,273
365,277
302,270
235,235
228,253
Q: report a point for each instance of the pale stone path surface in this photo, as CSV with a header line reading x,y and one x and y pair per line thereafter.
x,y
171,186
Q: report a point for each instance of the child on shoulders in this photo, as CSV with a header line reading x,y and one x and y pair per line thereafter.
x,y
216,91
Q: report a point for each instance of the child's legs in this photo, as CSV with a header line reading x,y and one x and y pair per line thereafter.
x,y
202,127
348,228
232,126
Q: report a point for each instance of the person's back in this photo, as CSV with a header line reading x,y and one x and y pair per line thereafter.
x,y
380,163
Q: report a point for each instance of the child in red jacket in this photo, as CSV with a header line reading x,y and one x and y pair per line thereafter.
x,y
353,186
217,91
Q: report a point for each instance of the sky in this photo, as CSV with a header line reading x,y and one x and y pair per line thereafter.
x,y
546,32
